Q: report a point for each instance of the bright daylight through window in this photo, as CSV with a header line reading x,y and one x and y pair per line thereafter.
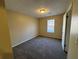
x,y
50,25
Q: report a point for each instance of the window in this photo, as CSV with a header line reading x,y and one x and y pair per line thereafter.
x,y
50,25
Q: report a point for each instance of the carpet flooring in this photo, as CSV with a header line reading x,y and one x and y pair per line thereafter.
x,y
39,48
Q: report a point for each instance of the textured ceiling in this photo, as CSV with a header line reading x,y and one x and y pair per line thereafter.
x,y
29,7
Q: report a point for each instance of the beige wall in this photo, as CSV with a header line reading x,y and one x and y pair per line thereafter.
x,y
22,27
5,46
73,43
58,27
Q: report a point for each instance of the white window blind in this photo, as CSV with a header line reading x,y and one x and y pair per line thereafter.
x,y
50,26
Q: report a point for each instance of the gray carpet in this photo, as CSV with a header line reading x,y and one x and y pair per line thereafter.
x,y
39,48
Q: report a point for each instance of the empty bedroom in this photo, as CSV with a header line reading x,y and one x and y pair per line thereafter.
x,y
38,29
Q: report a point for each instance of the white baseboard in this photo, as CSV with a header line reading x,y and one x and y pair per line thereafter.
x,y
23,42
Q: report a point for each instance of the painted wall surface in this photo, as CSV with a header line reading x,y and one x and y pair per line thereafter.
x,y
58,27
5,46
22,27
73,43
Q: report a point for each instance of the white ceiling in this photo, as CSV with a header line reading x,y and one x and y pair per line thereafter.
x,y
29,7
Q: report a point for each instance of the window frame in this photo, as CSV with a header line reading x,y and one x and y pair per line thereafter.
x,y
53,27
